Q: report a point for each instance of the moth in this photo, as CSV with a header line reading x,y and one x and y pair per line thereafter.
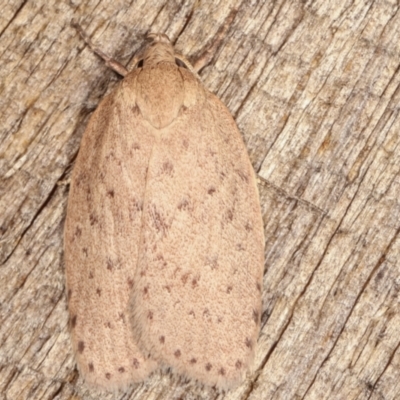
x,y
163,241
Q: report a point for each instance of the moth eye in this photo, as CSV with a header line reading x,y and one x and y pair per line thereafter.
x,y
139,64
180,63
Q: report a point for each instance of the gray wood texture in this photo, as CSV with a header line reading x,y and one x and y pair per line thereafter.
x,y
314,88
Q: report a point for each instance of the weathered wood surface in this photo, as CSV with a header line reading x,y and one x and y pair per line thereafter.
x,y
314,88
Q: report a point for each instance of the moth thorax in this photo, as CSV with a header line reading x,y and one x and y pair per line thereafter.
x,y
158,52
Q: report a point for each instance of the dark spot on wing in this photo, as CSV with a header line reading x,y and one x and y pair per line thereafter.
x,y
212,261
159,222
161,261
249,343
168,288
183,205
256,316
137,205
243,175
122,317
185,277
81,346
229,215
93,219
167,168
240,247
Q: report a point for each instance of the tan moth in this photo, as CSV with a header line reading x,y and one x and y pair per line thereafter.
x,y
164,242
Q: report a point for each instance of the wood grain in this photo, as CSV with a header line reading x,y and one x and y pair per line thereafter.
x,y
314,90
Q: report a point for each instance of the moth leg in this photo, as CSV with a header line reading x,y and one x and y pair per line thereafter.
x,y
208,55
110,62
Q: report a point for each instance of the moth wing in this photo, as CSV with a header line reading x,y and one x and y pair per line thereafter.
x,y
102,228
197,298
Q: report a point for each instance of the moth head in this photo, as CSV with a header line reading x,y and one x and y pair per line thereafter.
x,y
159,49
158,38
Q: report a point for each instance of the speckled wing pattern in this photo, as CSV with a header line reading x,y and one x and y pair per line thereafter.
x,y
196,303
163,236
102,228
